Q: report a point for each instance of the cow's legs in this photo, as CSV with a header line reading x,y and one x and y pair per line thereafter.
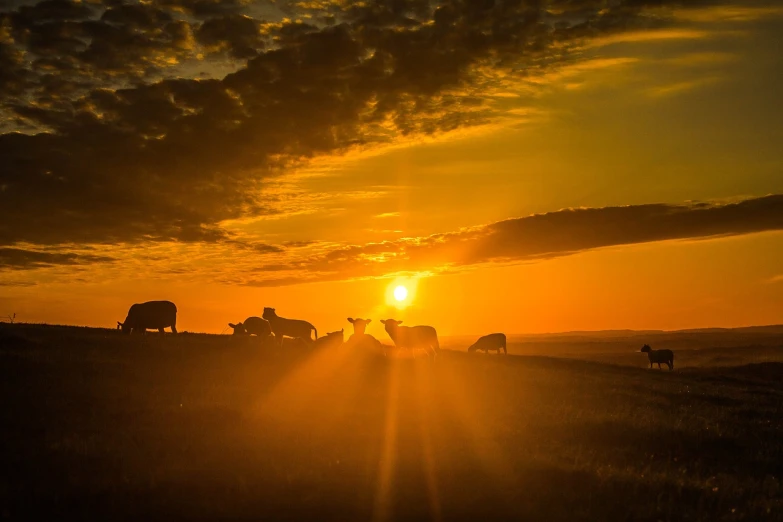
x,y
161,330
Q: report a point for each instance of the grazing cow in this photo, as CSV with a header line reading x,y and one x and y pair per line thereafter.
x,y
152,315
495,341
412,336
659,356
252,326
288,327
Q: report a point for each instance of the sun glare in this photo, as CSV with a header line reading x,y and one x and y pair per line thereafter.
x,y
401,292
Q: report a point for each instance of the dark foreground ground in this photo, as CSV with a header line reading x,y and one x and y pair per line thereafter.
x,y
96,426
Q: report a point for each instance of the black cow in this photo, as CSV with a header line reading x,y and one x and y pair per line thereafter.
x,y
252,326
152,315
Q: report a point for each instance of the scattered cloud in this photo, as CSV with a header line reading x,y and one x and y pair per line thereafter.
x,y
775,279
19,259
681,87
108,141
727,13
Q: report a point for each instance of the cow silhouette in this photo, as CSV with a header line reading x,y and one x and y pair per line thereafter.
x,y
412,337
495,341
152,315
252,326
283,327
659,356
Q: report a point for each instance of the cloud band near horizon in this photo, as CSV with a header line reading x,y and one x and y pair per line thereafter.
x,y
536,237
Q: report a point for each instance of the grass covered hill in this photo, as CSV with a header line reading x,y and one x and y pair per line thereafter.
x,y
202,427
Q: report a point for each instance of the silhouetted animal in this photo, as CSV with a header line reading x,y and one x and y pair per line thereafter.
x,y
288,327
412,336
330,340
252,326
495,341
152,315
359,325
659,356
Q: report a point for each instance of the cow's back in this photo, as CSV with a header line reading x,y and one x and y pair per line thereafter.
x,y
257,326
152,314
492,341
411,336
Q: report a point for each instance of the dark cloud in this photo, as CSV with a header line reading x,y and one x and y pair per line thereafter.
x,y
240,35
19,259
130,157
539,236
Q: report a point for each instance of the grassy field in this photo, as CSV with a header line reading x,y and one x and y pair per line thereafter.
x,y
101,426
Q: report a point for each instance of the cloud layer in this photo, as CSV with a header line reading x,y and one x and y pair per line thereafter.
x,y
121,128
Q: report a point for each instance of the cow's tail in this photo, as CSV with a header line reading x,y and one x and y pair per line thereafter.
x,y
316,333
505,352
436,345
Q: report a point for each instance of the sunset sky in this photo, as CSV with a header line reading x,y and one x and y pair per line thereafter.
x,y
520,165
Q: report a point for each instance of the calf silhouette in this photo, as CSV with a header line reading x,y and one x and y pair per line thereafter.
x,y
659,356
252,326
152,315
412,337
295,328
495,341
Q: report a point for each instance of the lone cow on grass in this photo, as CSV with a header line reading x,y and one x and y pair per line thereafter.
x,y
252,326
495,341
412,337
659,356
152,315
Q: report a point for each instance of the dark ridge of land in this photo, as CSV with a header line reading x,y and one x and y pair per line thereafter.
x,y
205,427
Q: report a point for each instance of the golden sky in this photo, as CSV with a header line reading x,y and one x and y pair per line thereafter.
x,y
523,166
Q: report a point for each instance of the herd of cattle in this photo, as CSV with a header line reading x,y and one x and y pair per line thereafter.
x,y
158,315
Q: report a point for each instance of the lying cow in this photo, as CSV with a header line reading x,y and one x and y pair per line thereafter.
x,y
252,326
283,327
152,315
495,341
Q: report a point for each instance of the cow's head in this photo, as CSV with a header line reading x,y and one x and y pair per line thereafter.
x,y
359,325
239,329
125,327
391,324
646,348
269,313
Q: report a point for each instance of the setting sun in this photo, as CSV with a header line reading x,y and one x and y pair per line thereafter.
x,y
400,293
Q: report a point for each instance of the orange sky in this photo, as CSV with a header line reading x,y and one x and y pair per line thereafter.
x,y
663,140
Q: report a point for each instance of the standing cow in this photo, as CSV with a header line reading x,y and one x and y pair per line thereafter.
x,y
295,328
152,315
252,326
412,337
659,356
495,341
